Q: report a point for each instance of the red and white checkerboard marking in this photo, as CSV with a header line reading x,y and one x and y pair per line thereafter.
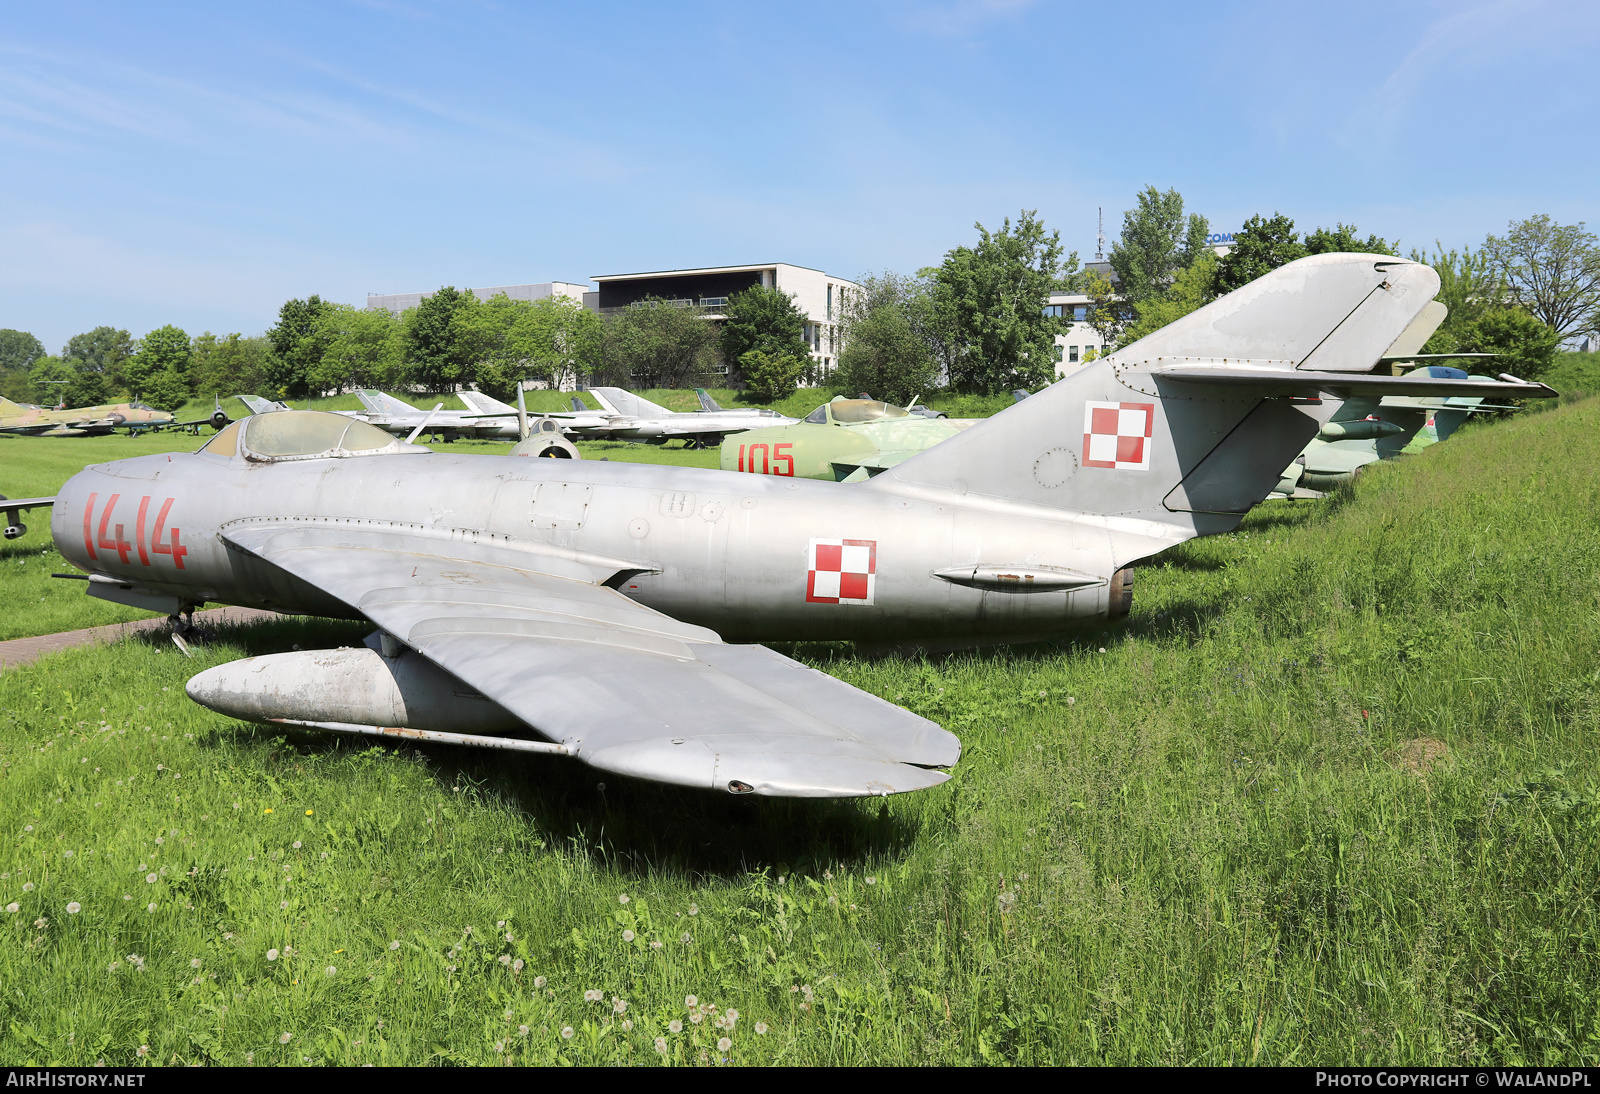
x,y
841,571
1117,435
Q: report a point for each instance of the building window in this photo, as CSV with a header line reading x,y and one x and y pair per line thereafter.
x,y
1080,312
713,301
1072,354
1053,310
830,301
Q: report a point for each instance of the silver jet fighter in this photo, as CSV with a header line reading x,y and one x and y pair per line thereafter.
x,y
638,419
586,608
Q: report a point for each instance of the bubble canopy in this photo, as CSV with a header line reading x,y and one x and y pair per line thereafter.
x,y
308,434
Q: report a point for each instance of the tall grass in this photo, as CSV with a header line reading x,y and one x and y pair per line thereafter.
x,y
1329,796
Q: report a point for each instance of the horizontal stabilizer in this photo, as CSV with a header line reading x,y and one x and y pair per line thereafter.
x,y
1269,382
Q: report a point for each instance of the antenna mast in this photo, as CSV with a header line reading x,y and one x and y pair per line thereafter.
x,y
1100,240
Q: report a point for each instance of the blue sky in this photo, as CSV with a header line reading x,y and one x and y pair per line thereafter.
x,y
198,164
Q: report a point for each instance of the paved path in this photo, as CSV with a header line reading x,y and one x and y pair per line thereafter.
x,y
22,651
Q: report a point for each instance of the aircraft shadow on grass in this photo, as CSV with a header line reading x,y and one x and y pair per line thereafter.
x,y
644,826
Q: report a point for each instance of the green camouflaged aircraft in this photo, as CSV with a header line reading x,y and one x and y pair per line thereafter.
x,y
847,440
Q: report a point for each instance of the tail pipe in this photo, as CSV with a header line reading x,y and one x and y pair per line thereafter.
x,y
1120,599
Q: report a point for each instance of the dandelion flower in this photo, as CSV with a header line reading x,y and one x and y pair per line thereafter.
x,y
272,955
872,881
593,996
283,905
284,1038
685,938
694,909
627,936
265,811
150,879
655,945
522,1031
332,970
194,962
27,886
697,1018
619,1005
566,1033
142,1050
723,1044
661,1045
297,845
516,966
505,959
761,1027
395,945
150,907
308,812
538,981
66,854
627,1025
27,828
622,898
691,1001
73,908
159,839
674,1026
499,1046
510,937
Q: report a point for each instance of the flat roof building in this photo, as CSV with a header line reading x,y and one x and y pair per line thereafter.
x,y
818,295
400,302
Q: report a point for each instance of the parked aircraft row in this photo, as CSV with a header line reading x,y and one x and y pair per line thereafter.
x,y
586,609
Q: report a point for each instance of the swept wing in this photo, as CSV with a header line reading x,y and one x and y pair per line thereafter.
x,y
624,688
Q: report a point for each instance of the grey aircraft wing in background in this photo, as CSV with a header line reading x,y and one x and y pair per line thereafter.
x,y
574,422
591,609
638,419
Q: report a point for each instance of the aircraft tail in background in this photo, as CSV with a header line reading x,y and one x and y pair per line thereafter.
x,y
479,403
617,401
258,405
377,402
707,403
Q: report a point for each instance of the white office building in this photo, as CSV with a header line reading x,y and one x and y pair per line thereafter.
x,y
1081,342
818,295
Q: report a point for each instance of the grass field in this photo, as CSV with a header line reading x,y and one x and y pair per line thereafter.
x,y
1329,796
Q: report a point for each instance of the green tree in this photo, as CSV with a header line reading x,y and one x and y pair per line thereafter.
x,y
1342,239
1551,270
159,373
234,365
360,348
296,350
1110,315
765,320
18,351
438,350
1157,242
55,382
889,347
657,343
100,353
1190,291
772,379
989,305
551,340
1260,247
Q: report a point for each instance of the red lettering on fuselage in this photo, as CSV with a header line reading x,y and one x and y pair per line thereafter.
x,y
92,539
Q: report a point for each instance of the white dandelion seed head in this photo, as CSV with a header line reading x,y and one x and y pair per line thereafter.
x,y
510,937
694,909
566,1033
691,1001
593,995
505,959
150,907
685,938
66,854
674,1026
516,965
761,1027
331,971
539,981
73,907
522,1031
395,945
619,1005
655,945
724,1044
150,879
160,839
627,1025
622,898
142,1050
272,955
872,881
297,845
27,886
661,1045
627,936
697,1018
284,1038
194,962
283,905
13,907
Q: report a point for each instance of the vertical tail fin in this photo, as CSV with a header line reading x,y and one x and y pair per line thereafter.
x,y
479,403
377,402
707,403
1175,429
618,401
